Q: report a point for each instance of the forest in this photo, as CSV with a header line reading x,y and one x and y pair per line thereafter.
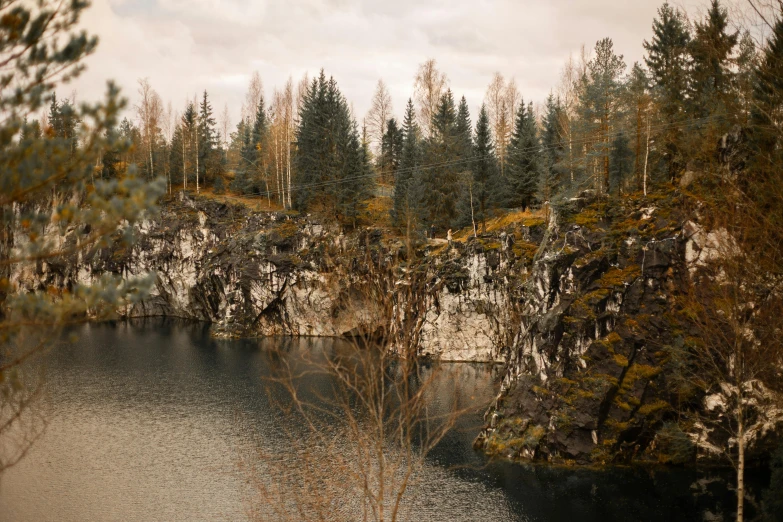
x,y
641,302
608,126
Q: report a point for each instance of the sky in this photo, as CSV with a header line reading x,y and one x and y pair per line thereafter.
x,y
186,46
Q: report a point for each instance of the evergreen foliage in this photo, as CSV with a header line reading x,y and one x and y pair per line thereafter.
x,y
407,178
190,131
525,163
603,105
668,60
712,48
207,158
553,149
391,149
772,498
485,167
333,171
53,207
441,181
620,162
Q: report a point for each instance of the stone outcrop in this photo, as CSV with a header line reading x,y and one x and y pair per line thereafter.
x,y
264,274
595,374
581,310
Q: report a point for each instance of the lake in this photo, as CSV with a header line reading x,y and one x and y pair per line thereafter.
x,y
153,420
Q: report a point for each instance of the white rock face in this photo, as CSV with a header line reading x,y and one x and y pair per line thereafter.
x,y
248,287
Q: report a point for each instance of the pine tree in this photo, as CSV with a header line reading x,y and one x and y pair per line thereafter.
x,y
669,65
604,103
525,164
52,208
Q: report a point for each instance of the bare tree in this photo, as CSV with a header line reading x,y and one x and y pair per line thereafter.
x,y
737,356
361,444
281,131
150,113
501,100
378,116
290,129
301,91
255,91
428,87
225,124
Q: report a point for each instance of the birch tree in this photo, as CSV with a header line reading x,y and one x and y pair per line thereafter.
x,y
150,113
378,116
429,86
255,90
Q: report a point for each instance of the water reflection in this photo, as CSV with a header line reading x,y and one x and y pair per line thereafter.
x,y
149,420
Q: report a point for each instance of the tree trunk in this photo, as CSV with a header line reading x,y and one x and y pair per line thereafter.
x,y
152,172
197,188
184,164
740,464
288,161
472,217
638,156
646,156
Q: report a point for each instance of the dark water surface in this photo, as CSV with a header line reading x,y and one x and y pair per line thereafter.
x,y
150,420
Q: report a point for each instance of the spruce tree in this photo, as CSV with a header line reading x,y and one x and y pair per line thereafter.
x,y
206,145
464,130
406,202
747,62
111,156
332,166
441,181
767,112
553,149
668,60
712,48
391,148
190,131
525,164
175,155
620,162
485,167
255,156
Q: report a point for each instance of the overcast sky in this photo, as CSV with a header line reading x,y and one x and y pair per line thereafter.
x,y
186,46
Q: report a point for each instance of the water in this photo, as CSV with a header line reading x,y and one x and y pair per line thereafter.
x,y
153,421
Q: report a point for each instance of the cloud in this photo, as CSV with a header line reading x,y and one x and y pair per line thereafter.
x,y
186,46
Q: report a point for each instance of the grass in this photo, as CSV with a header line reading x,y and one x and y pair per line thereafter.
x,y
255,203
504,221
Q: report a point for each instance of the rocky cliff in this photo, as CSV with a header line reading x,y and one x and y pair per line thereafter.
x,y
262,274
595,374
581,309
